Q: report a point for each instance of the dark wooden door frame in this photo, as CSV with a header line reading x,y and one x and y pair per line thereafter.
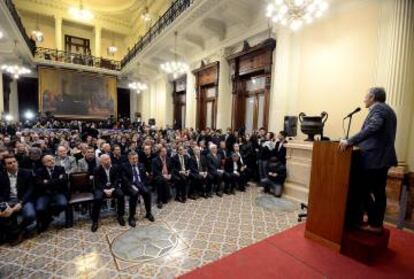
x,y
250,62
207,76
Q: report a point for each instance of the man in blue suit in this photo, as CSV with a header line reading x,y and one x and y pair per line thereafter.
x,y
376,142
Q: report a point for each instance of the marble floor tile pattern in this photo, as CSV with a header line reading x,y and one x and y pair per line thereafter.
x,y
206,229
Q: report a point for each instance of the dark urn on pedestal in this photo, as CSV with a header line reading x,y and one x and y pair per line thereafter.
x,y
312,125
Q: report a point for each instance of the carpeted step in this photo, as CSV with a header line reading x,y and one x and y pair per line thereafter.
x,y
363,246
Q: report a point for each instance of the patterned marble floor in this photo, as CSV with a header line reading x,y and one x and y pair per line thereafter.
x,y
203,231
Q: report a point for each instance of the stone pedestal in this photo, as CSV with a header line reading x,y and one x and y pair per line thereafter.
x,y
298,164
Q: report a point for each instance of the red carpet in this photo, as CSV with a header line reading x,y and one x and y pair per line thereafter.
x,y
290,255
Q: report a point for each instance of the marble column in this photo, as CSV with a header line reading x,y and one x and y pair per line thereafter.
x,y
395,69
1,94
98,33
14,101
224,103
190,101
58,32
133,103
280,80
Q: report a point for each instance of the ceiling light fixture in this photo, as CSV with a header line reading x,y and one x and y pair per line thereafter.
x,y
295,13
176,68
15,70
37,34
1,35
146,15
80,12
112,48
138,86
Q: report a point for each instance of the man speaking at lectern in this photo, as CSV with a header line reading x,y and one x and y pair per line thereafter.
x,y
376,141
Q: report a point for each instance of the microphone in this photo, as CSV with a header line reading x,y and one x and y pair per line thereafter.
x,y
353,112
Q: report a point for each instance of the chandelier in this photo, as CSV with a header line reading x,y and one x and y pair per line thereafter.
x,y
15,70
146,15
80,13
294,13
176,68
112,48
138,86
37,34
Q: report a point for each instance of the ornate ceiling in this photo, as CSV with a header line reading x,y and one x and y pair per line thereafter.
x,y
114,15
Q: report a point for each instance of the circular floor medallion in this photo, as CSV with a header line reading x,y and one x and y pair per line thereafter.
x,y
144,243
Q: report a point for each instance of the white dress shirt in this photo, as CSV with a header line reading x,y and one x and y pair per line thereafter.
x,y
13,185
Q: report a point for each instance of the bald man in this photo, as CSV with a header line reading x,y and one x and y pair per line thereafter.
x,y
107,186
51,188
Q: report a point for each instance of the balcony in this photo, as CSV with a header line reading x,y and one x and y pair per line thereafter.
x,y
57,56
176,9
13,12
53,56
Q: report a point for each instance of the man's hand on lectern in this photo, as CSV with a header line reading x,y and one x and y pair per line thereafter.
x,y
343,145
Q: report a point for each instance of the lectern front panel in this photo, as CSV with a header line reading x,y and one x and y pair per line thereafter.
x,y
328,192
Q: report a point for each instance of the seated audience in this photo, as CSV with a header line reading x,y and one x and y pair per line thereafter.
x,y
107,185
51,189
215,171
64,160
234,175
135,184
16,199
89,163
161,171
181,174
199,175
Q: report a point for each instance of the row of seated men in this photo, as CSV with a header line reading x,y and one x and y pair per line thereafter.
x,y
38,195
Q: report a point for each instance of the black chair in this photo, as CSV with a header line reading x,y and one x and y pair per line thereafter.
x,y
81,192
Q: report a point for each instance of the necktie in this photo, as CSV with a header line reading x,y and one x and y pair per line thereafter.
x,y
198,164
164,166
136,175
182,163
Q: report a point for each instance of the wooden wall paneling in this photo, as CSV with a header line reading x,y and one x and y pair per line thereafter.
x,y
207,76
249,63
178,94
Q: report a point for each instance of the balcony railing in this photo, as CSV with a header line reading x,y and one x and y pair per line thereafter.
x,y
76,58
176,9
12,9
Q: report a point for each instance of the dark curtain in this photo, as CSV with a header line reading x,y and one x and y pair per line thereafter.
x,y
123,102
28,94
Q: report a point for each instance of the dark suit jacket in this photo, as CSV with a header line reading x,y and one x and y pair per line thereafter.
x,y
176,165
128,177
280,154
228,166
146,161
24,185
376,138
203,165
57,184
101,179
279,168
118,161
157,166
213,163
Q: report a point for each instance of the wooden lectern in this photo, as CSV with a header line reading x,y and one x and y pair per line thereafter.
x,y
328,191
334,203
